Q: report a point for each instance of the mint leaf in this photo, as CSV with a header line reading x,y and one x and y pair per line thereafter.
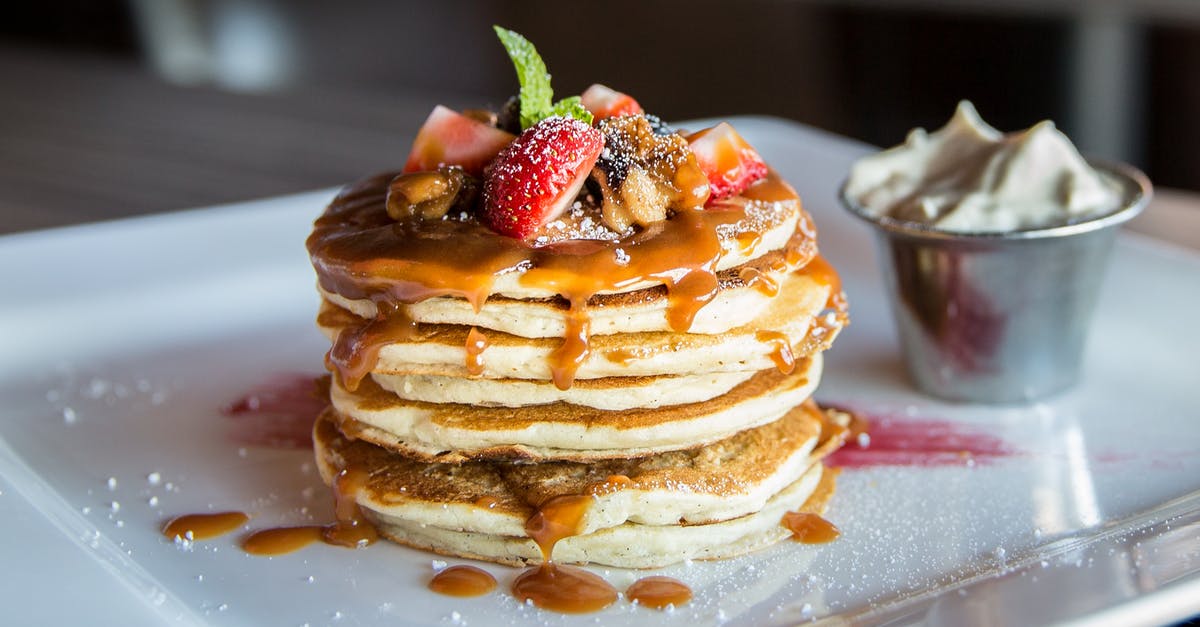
x,y
572,108
536,94
531,73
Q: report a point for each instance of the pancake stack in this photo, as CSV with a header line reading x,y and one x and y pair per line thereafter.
x,y
618,338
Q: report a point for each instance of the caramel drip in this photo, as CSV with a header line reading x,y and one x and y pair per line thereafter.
x,y
462,581
477,342
760,281
687,296
659,592
356,349
819,269
781,352
486,502
282,540
204,526
566,359
564,589
558,518
554,587
361,253
810,528
351,528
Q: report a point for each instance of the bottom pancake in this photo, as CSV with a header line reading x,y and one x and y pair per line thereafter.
x,y
629,545
710,502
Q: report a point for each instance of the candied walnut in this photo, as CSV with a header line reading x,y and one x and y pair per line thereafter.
x,y
430,195
642,174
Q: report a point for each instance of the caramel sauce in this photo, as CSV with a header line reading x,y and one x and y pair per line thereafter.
x,y
659,592
552,586
359,252
781,351
760,281
486,502
477,342
558,518
462,581
687,295
204,526
810,528
282,540
356,349
566,359
623,356
611,484
820,270
351,528
564,589
748,241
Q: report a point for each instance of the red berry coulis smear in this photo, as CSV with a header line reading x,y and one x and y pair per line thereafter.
x,y
887,440
279,412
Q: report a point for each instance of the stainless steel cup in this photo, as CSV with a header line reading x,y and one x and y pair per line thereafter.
x,y
998,317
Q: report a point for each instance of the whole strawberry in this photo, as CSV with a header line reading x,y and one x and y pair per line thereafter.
x,y
538,175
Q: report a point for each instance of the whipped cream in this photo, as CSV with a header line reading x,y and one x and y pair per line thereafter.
x,y
969,177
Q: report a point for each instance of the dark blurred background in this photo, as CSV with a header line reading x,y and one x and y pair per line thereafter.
x,y
160,104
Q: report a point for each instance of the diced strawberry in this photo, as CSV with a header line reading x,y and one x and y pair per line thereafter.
x,y
451,138
538,175
730,163
604,102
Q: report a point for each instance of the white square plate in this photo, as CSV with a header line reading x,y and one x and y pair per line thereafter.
x,y
124,341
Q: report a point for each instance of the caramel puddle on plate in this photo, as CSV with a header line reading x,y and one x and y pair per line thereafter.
x,y
462,581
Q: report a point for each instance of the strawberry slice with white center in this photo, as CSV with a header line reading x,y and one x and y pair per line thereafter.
x,y
451,138
729,162
538,175
605,102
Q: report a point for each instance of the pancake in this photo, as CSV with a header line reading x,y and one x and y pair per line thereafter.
x,y
479,509
629,545
743,293
450,432
610,393
800,316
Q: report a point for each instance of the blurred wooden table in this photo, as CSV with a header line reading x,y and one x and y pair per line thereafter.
x,y
85,139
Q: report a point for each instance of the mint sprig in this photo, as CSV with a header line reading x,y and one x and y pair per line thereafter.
x,y
536,94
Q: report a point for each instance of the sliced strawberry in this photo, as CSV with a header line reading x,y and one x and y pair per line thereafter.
x,y
451,138
538,175
730,163
604,102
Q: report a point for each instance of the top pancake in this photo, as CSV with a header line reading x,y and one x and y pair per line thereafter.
x,y
360,253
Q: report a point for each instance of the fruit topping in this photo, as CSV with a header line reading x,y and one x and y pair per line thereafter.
x,y
605,102
539,175
430,195
451,138
642,175
536,96
730,163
